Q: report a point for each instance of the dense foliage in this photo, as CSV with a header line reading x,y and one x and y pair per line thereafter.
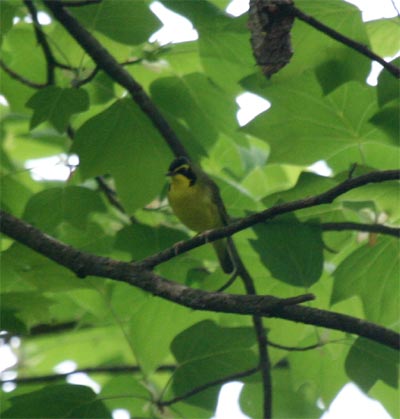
x,y
60,103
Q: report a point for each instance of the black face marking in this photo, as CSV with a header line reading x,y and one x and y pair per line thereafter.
x,y
187,172
181,166
179,161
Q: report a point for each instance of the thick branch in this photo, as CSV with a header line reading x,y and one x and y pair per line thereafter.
x,y
362,49
246,222
109,65
84,264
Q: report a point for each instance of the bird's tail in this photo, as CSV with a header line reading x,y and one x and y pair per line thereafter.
x,y
224,256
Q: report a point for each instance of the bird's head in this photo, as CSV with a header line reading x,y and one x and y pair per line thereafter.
x,y
181,170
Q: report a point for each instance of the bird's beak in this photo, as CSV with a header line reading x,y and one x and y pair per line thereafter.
x,y
168,174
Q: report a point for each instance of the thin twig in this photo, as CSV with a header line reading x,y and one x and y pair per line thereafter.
x,y
20,78
395,7
89,78
302,348
370,228
41,38
264,361
196,390
117,369
79,3
362,49
110,194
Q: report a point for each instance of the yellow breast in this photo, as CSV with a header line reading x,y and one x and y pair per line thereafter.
x,y
193,204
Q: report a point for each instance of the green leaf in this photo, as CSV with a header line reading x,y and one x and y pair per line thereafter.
x,y
9,320
336,63
386,119
101,89
57,105
8,10
287,401
384,36
368,362
58,401
194,97
128,22
31,307
153,328
77,344
225,52
292,251
303,126
126,392
22,269
371,272
74,204
385,198
320,372
224,45
388,85
206,352
122,141
307,184
19,47
14,194
387,396
142,241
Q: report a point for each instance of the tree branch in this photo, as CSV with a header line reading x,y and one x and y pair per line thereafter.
x,y
81,3
109,65
301,348
41,38
362,49
264,361
324,198
84,264
370,228
116,369
20,78
199,389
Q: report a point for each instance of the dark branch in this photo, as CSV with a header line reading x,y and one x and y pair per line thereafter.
x,y
246,222
395,7
109,65
264,361
362,49
41,38
370,228
110,194
79,3
302,348
117,369
88,79
205,386
84,264
18,77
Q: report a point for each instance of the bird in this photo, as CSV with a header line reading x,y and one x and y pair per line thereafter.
x,y
196,201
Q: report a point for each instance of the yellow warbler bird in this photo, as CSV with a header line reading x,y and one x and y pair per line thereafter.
x,y
196,201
